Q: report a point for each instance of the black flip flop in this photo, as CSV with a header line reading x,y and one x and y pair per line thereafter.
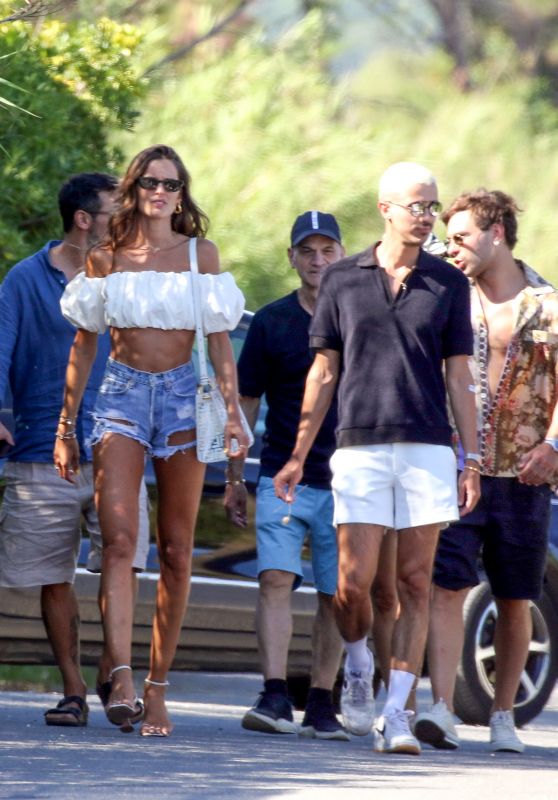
x,y
67,715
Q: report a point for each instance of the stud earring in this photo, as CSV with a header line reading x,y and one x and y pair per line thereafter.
x,y
178,208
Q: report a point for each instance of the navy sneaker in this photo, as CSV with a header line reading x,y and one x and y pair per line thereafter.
x,y
271,713
320,722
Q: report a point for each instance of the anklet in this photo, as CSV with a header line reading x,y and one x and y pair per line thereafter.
x,y
122,666
156,683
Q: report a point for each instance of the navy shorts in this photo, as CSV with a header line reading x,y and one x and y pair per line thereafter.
x,y
509,530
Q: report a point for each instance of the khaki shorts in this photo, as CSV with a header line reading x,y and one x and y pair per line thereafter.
x,y
41,522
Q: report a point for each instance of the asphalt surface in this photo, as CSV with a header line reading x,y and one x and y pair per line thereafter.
x,y
210,756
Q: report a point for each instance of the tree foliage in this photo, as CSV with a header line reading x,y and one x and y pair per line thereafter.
x,y
76,82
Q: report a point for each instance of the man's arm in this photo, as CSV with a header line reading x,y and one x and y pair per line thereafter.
x,y
461,393
540,464
235,489
318,393
9,314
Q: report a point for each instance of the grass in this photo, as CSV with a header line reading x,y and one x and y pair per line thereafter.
x,y
37,678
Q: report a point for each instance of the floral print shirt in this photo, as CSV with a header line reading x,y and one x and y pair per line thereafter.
x,y
518,416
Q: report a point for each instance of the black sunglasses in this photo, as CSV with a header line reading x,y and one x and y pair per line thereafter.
x,y
168,184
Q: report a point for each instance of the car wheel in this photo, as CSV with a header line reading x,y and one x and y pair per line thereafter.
x,y
474,689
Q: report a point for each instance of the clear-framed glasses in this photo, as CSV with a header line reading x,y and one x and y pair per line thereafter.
x,y
419,209
168,184
458,239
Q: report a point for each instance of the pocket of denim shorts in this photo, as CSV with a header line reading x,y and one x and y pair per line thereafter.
x,y
112,385
184,387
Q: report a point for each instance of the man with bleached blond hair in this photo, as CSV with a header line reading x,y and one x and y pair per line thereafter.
x,y
392,333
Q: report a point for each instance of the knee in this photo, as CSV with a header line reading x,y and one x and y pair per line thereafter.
x,y
385,599
275,583
414,587
120,547
175,558
512,612
351,591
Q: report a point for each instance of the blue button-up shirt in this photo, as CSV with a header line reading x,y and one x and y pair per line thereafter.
x,y
35,342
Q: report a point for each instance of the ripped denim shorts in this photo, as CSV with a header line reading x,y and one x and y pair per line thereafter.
x,y
146,406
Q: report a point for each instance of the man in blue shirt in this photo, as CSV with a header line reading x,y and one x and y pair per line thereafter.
x,y
40,518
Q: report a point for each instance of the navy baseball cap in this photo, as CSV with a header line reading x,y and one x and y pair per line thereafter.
x,y
314,222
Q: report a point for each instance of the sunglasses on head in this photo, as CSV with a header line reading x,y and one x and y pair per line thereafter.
x,y
168,184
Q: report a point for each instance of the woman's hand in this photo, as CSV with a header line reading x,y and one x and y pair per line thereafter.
x,y
66,459
237,440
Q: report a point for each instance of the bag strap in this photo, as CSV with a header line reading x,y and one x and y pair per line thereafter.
x,y
196,303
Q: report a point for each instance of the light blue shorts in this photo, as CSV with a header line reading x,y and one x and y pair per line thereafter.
x,y
280,545
146,406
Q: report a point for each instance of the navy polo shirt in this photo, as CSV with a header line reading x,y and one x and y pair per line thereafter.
x,y
275,361
392,387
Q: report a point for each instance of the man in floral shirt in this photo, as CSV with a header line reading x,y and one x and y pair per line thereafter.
x,y
515,366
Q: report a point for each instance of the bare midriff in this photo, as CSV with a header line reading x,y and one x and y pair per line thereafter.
x,y
151,349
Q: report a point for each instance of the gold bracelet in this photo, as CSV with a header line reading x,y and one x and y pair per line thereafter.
x,y
234,483
472,469
66,421
69,435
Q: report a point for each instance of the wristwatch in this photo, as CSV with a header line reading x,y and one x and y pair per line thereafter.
x,y
473,457
553,443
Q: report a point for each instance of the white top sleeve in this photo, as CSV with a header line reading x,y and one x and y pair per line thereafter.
x,y
150,299
83,303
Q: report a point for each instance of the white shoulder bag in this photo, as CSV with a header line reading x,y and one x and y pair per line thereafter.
x,y
211,414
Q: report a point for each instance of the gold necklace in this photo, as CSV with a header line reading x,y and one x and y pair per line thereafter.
x,y
151,249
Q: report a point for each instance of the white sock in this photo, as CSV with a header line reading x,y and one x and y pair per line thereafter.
x,y
400,685
359,657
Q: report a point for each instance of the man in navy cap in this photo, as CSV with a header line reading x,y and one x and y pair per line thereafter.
x,y
275,361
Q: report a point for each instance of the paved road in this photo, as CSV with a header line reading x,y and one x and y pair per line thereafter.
x,y
210,756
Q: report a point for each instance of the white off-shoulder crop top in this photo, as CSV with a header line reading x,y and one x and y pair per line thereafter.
x,y
151,299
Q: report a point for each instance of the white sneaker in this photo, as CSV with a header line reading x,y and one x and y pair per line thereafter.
x,y
502,733
393,735
436,727
357,700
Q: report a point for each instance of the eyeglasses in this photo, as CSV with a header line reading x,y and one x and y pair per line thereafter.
x,y
418,209
458,239
168,184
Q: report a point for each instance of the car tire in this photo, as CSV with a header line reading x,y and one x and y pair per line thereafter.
x,y
474,689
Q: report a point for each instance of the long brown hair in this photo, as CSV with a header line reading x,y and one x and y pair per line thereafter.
x,y
191,220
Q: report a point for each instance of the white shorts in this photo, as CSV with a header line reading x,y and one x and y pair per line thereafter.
x,y
400,485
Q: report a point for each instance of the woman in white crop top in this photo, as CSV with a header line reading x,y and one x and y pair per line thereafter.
x,y
138,284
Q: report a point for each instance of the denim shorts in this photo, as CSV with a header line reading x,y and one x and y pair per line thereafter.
x,y
280,545
509,529
146,406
